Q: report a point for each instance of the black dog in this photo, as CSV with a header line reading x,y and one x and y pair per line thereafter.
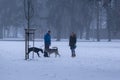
x,y
51,51
35,49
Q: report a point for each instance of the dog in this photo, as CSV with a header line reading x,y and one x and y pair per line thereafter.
x,y
51,51
35,49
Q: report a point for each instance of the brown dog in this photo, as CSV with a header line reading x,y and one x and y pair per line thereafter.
x,y
53,50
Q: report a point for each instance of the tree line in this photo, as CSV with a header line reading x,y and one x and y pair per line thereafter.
x,y
89,19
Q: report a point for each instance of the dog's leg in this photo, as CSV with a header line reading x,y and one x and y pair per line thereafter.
x,y
58,54
38,54
55,54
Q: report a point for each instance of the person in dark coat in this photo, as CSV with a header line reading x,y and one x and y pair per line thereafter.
x,y
72,43
47,40
47,43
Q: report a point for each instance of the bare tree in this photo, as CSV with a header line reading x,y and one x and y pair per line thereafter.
x,y
107,5
29,11
98,20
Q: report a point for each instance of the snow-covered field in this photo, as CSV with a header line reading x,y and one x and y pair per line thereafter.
x,y
94,61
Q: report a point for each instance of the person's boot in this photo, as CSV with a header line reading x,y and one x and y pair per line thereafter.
x,y
73,54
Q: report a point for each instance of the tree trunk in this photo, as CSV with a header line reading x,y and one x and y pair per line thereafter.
x,y
1,32
98,32
109,22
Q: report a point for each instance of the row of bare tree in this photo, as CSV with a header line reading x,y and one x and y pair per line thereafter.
x,y
90,19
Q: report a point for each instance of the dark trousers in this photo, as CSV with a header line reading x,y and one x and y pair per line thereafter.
x,y
46,47
73,51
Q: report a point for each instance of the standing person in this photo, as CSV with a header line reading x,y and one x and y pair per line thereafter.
x,y
47,40
72,43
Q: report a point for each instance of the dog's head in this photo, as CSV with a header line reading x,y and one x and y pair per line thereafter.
x,y
41,51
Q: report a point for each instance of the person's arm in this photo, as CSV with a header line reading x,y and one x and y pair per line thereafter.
x,y
75,38
50,39
69,41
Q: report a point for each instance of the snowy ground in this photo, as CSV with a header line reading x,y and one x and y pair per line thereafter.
x,y
94,61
